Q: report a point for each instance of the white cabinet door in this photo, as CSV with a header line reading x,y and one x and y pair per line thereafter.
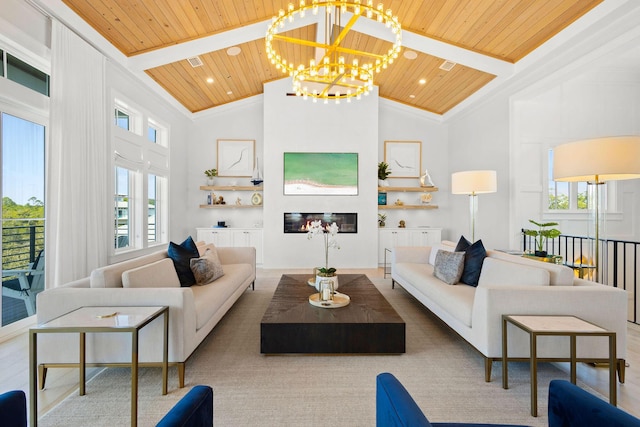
x,y
249,238
219,237
424,237
390,239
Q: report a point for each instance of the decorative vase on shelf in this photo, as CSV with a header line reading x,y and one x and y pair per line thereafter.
x,y
210,181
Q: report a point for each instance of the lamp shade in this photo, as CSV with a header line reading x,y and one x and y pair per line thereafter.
x,y
597,160
474,182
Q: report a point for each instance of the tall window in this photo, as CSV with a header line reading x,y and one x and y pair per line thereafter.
x,y
27,75
152,213
565,195
22,144
122,119
141,178
122,206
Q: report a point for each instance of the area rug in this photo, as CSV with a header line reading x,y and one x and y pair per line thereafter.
x,y
442,372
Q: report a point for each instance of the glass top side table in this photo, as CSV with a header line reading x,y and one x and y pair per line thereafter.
x,y
99,319
569,326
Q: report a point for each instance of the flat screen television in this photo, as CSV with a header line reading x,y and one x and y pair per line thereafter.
x,y
329,174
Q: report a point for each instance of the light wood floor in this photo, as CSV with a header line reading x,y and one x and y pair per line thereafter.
x,y
14,371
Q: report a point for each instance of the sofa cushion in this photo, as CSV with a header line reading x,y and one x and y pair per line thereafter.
x,y
457,301
435,249
449,266
181,255
209,298
559,275
110,276
474,255
207,268
159,274
203,248
496,272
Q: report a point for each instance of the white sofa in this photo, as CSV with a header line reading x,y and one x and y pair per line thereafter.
x,y
512,284
150,280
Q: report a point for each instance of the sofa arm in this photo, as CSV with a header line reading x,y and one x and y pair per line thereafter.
x,y
410,254
602,305
571,406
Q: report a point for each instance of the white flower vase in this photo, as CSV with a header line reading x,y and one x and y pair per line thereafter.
x,y
320,278
383,183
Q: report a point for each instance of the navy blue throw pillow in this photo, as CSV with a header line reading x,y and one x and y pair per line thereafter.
x,y
181,255
474,255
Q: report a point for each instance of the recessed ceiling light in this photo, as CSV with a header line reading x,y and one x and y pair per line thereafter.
x,y
233,51
229,93
422,81
410,54
412,96
209,80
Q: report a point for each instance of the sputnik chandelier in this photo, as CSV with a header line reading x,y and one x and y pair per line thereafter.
x,y
338,71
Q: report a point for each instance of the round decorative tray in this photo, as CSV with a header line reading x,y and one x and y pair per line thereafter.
x,y
339,300
312,282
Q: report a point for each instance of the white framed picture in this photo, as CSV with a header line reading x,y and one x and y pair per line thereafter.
x,y
404,158
235,157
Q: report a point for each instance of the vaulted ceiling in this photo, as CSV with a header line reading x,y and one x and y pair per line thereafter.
x,y
484,38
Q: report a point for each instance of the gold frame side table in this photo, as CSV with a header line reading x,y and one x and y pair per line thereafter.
x,y
562,325
99,319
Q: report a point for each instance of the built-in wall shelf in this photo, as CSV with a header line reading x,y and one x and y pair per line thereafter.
x,y
254,202
406,189
231,188
229,206
388,207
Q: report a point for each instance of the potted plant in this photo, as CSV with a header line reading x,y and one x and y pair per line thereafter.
x,y
329,233
542,234
383,173
381,219
211,173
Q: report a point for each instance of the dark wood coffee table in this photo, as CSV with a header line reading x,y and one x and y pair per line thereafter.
x,y
367,325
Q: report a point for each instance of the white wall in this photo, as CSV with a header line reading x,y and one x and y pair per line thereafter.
x,y
293,124
278,123
480,140
401,123
600,99
241,120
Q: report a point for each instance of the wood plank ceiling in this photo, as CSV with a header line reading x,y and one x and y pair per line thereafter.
x,y
506,30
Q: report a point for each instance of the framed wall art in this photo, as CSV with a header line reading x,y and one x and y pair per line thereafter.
x,y
236,157
328,174
404,158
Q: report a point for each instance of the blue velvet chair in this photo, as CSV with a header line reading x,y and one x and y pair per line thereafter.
x,y
195,409
571,406
396,407
13,409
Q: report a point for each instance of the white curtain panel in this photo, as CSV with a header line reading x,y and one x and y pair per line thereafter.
x,y
78,168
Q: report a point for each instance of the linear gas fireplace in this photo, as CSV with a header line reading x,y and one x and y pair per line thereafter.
x,y
298,222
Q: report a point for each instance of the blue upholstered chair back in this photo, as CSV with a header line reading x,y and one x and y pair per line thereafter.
x,y
396,408
13,409
394,404
195,409
571,406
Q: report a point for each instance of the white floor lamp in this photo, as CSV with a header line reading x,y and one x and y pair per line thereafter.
x,y
597,161
473,183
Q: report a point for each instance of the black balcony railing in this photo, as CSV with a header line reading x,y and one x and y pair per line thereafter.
x,y
617,267
21,245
